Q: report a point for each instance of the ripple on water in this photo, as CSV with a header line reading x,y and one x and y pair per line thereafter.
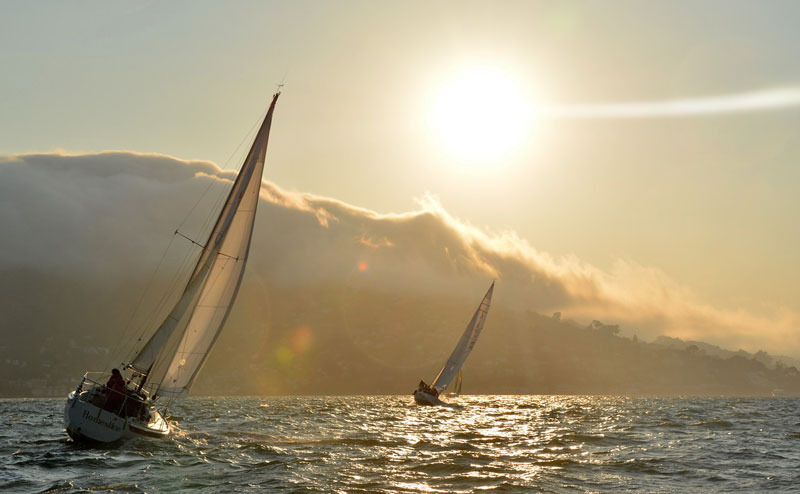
x,y
386,444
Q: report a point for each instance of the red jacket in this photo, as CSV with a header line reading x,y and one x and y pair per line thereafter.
x,y
116,382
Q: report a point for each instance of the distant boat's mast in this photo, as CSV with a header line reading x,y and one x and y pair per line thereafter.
x,y
465,344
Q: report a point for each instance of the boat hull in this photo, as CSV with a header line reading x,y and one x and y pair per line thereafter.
x,y
89,423
423,398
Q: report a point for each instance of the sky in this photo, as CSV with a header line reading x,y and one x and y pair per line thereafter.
x,y
639,139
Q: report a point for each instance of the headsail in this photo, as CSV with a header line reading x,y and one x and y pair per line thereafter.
x,y
465,344
457,384
181,344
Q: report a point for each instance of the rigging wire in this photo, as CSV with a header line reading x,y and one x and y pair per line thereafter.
x,y
236,150
183,265
119,350
162,362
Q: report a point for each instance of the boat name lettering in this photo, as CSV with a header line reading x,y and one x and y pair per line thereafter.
x,y
93,418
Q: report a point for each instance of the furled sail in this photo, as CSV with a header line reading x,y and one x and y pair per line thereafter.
x,y
465,344
178,349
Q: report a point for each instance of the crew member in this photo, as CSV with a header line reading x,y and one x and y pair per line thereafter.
x,y
115,391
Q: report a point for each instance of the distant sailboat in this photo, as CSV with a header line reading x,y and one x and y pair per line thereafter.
x,y
169,362
429,395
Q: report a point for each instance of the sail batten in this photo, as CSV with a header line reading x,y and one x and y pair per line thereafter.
x,y
181,344
465,345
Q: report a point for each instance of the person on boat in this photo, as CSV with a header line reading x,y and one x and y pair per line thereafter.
x,y
424,387
427,389
116,381
115,391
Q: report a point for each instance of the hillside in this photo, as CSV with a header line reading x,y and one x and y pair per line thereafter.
x,y
350,340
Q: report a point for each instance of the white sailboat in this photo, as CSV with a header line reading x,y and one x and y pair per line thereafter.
x,y
167,365
429,395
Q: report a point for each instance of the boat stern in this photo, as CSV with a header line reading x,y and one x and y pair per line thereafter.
x,y
422,398
86,421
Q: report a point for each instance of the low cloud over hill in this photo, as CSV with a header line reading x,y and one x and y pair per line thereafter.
x,y
83,234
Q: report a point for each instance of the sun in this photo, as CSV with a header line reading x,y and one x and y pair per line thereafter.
x,y
480,114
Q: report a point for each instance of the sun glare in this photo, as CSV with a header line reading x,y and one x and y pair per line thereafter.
x,y
480,114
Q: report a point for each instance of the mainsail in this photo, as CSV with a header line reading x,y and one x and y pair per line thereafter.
x,y
177,350
465,344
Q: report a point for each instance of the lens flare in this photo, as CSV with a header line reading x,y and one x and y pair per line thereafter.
x,y
300,340
297,343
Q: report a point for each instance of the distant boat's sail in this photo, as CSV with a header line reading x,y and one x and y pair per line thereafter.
x,y
457,384
177,350
465,344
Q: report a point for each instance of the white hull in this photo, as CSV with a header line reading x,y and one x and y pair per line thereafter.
x,y
422,398
89,423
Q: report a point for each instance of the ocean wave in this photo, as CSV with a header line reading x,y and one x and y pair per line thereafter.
x,y
386,444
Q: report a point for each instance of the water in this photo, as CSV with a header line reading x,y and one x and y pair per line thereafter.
x,y
387,444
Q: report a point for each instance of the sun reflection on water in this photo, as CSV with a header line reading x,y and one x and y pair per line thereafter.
x,y
506,443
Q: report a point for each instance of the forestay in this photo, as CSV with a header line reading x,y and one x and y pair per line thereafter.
x,y
178,349
465,344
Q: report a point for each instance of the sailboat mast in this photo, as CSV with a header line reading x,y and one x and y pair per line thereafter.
x,y
225,253
217,234
465,344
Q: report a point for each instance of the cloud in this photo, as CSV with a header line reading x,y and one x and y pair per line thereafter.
x,y
763,100
114,214
82,212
